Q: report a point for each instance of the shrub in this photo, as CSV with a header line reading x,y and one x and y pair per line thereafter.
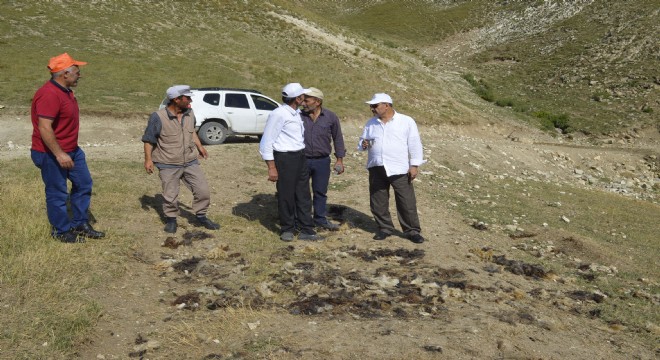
x,y
553,121
504,102
481,88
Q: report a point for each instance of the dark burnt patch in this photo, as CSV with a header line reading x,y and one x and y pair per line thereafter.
x,y
196,235
586,296
191,300
187,265
520,268
403,256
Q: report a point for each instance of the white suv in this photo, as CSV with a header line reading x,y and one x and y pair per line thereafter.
x,y
221,112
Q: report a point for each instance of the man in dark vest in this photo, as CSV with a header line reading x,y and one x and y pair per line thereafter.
x,y
171,144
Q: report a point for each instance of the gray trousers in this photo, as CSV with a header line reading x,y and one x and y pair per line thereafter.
x,y
193,178
404,196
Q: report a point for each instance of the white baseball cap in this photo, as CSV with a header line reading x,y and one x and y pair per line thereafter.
x,y
380,98
178,90
293,90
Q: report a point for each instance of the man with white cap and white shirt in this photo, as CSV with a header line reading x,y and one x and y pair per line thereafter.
x,y
282,147
171,144
395,153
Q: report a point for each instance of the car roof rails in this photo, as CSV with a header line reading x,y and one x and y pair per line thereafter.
x,y
225,88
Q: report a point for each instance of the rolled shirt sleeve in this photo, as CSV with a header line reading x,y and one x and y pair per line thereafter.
x,y
152,131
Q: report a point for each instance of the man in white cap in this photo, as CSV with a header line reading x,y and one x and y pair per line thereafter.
x,y
395,153
171,144
282,147
322,131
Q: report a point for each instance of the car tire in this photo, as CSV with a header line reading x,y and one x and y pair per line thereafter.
x,y
212,133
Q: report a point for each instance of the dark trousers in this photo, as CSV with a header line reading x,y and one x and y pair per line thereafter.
x,y
319,173
55,181
404,196
294,202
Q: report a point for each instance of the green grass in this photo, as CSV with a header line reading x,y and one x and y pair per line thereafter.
x,y
43,282
46,285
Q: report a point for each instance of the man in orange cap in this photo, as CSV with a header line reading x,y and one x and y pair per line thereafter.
x,y
55,122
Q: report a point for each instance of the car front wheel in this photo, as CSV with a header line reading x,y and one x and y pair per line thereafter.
x,y
212,133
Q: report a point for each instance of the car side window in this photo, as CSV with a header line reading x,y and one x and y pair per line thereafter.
x,y
236,101
213,99
261,103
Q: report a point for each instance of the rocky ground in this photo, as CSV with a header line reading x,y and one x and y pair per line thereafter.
x,y
465,293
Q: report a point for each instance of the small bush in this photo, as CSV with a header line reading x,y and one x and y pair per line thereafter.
x,y
481,88
522,108
600,96
553,121
504,102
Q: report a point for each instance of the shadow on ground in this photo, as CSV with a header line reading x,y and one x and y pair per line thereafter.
x,y
263,207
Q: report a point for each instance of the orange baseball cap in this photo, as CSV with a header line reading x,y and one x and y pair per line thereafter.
x,y
61,62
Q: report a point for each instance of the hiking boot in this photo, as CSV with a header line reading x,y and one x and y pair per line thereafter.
x,y
170,225
86,230
207,223
69,237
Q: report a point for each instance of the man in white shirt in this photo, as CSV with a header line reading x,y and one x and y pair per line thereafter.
x,y
282,147
395,153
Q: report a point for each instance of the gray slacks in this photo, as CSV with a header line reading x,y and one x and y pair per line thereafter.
x,y
404,196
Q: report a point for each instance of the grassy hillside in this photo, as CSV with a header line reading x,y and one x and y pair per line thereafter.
x,y
592,65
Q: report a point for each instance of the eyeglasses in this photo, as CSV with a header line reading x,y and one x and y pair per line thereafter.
x,y
373,106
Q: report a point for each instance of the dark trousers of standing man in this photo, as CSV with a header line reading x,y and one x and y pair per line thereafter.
x,y
294,201
404,196
319,172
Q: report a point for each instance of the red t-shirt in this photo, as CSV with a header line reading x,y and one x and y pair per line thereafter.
x,y
57,103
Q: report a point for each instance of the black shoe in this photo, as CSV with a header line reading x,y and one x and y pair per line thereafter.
x,y
310,237
86,230
417,238
207,223
381,235
328,226
69,237
286,236
170,225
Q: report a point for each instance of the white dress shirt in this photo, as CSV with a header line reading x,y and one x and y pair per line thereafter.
x,y
284,132
396,144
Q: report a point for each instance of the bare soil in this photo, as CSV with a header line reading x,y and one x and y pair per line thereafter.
x,y
466,293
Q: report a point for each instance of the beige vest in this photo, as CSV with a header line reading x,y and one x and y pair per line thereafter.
x,y
175,144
